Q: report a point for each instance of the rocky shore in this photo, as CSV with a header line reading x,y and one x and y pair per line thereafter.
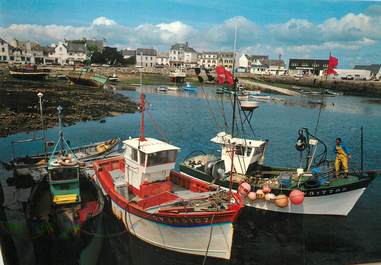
x,y
19,104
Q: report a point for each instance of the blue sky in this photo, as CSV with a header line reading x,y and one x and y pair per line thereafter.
x,y
350,29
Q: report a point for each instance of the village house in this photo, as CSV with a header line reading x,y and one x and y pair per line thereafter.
x,y
300,67
127,54
256,64
208,59
182,55
276,67
226,59
146,57
162,59
375,70
76,52
4,51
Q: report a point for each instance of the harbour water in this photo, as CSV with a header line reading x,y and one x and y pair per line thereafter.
x,y
189,121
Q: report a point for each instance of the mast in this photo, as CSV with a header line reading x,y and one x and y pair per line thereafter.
x,y
142,106
142,102
235,83
233,120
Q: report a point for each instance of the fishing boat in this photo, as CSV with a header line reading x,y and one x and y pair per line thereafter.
x,y
333,93
163,207
313,189
65,205
86,77
189,87
161,89
30,72
177,76
260,97
83,153
114,78
173,88
220,90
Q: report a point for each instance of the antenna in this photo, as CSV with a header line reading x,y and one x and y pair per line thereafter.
x,y
59,108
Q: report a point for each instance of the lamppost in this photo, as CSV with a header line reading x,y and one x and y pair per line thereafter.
x,y
40,95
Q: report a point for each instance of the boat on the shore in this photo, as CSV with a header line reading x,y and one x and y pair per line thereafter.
x,y
65,205
113,78
29,72
163,207
311,190
86,77
177,76
84,153
190,88
161,89
173,88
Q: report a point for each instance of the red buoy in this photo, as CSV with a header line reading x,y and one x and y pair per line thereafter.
x,y
296,197
244,189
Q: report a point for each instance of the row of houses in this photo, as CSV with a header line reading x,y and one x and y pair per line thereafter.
x,y
180,55
67,52
262,65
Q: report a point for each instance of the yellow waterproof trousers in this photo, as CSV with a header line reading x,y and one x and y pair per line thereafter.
x,y
343,160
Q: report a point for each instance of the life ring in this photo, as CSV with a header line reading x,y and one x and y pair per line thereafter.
x,y
55,163
311,184
67,161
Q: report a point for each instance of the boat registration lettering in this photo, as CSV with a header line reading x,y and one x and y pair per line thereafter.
x,y
181,221
326,192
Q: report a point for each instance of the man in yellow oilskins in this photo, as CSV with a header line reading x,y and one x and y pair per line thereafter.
x,y
342,156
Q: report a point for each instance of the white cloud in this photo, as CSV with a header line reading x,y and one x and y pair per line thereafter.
x,y
103,21
353,35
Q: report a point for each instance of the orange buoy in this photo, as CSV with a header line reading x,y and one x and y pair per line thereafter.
x,y
252,196
281,201
269,197
296,197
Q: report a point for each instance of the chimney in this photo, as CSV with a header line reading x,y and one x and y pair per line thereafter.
x,y
186,44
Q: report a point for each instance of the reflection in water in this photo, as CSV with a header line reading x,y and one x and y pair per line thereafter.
x,y
261,237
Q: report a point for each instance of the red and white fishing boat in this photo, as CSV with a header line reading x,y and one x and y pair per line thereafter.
x,y
163,207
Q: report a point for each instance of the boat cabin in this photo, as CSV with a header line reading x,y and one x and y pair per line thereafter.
x,y
64,181
148,164
246,152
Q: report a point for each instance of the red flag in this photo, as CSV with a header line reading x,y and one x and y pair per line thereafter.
x,y
229,77
332,63
220,70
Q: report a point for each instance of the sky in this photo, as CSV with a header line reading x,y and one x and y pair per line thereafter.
x,y
350,30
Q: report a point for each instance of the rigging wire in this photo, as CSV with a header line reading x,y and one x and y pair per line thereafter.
x,y
157,127
209,108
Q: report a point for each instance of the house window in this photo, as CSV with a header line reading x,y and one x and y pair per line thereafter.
x,y
12,58
27,59
22,58
3,49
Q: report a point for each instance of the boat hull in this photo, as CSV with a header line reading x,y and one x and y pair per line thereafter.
x,y
29,75
335,204
335,200
172,237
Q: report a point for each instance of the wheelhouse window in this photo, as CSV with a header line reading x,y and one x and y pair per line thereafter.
x,y
134,154
142,158
64,174
162,157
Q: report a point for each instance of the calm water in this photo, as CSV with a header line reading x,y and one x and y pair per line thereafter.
x,y
260,238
